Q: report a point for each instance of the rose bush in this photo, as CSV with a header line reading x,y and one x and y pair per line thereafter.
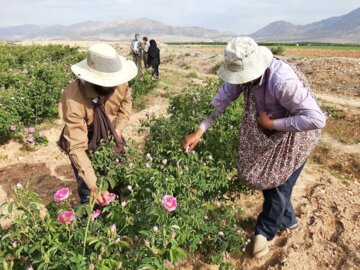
x,y
144,227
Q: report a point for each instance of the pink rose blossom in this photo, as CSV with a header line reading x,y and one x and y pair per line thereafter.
x,y
95,214
30,139
66,217
112,197
31,129
169,202
168,264
13,128
61,195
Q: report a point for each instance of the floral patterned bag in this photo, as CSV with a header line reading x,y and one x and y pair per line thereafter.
x,y
267,161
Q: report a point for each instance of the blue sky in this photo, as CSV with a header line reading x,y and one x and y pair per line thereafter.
x,y
238,16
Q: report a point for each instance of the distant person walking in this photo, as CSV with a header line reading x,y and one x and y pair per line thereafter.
x,y
145,48
135,48
154,59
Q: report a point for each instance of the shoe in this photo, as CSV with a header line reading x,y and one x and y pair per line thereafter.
x,y
291,228
260,246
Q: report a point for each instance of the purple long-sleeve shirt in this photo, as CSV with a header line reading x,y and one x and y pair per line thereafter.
x,y
279,93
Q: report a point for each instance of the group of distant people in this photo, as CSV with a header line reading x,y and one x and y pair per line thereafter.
x,y
146,52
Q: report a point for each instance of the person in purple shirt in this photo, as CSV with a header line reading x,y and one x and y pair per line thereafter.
x,y
283,102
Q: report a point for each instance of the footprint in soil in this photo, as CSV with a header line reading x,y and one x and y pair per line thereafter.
x,y
38,179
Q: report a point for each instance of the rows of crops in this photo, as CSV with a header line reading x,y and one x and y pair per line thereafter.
x,y
139,230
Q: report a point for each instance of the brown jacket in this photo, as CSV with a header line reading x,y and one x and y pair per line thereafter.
x,y
76,110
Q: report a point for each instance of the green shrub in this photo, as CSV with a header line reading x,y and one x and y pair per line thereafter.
x,y
31,79
278,50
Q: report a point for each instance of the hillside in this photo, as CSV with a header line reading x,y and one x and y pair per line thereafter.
x,y
340,29
113,31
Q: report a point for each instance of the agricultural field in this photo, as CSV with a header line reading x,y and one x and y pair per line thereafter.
x,y
212,217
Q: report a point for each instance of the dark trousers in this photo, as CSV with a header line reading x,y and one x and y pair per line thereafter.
x,y
83,191
155,72
278,212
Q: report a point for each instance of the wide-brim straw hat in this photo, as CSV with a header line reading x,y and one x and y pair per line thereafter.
x,y
244,61
103,66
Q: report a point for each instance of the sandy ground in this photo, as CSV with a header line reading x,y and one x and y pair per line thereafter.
x,y
327,203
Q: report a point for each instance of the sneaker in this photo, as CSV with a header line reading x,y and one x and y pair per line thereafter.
x,y
260,246
291,228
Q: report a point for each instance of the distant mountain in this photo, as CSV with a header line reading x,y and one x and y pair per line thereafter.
x,y
341,29
116,30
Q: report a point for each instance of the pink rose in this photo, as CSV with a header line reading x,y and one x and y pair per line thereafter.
x,y
95,214
30,139
112,197
31,129
13,128
169,202
168,264
66,217
61,195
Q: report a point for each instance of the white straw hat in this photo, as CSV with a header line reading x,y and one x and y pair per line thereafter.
x,y
103,66
244,61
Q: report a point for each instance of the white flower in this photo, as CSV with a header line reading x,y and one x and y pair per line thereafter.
x,y
210,157
155,229
147,165
123,203
30,268
129,187
117,240
131,164
19,186
221,233
149,156
200,242
206,217
164,161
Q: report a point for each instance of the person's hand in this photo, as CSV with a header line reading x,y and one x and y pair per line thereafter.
x,y
191,140
119,133
265,121
100,197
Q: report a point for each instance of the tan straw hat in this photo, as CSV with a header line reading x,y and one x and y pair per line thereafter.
x,y
244,61
103,66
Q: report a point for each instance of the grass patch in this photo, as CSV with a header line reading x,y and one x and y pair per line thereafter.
x,y
342,125
215,68
345,164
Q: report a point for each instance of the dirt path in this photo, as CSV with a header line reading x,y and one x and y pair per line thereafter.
x,y
340,101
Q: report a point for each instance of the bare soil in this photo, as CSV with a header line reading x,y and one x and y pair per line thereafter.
x,y
327,201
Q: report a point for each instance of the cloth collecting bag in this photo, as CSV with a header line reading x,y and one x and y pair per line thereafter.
x,y
267,161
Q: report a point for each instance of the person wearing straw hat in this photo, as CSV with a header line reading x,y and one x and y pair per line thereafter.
x,y
280,126
98,102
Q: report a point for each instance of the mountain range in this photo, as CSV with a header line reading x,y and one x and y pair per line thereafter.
x,y
340,29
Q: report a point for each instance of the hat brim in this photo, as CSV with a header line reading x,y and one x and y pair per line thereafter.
x,y
248,74
86,73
